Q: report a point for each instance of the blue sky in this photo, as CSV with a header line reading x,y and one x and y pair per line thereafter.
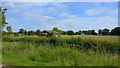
x,y
64,15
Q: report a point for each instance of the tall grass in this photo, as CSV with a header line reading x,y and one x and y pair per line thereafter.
x,y
76,43
31,54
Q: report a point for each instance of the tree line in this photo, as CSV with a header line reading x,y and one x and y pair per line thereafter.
x,y
115,31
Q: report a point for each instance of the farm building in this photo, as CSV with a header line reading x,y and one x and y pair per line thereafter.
x,y
50,33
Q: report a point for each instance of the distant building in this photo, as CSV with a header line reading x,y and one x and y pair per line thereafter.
x,y
50,33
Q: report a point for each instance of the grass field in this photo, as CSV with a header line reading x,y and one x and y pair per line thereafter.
x,y
66,51
96,37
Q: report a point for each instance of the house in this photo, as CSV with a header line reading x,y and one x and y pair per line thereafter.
x,y
50,33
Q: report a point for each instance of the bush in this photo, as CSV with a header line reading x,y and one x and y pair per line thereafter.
x,y
77,43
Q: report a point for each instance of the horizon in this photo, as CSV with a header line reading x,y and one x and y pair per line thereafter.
x,y
63,15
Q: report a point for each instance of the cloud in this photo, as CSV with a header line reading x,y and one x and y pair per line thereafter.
x,y
48,17
96,23
92,12
9,5
64,14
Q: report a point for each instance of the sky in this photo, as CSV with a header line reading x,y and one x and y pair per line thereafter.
x,y
63,15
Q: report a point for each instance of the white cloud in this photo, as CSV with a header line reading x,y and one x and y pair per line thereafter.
x,y
92,12
9,5
48,17
64,14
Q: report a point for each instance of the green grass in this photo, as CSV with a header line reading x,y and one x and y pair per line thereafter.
x,y
52,51
21,54
79,43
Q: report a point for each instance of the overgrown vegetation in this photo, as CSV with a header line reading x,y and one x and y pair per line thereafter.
x,y
78,43
29,54
54,51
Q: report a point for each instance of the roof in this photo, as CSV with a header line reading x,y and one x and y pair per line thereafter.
x,y
49,31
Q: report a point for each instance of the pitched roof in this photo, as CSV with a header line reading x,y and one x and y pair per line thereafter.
x,y
54,32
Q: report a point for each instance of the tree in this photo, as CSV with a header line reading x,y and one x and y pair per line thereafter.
x,y
56,29
30,32
64,32
70,32
89,32
115,31
93,32
2,17
100,32
21,31
9,29
25,32
83,32
105,31
78,33
37,32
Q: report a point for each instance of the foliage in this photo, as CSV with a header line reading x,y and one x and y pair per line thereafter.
x,y
30,32
56,29
70,32
37,32
115,31
77,43
9,29
21,31
100,32
105,31
2,15
30,54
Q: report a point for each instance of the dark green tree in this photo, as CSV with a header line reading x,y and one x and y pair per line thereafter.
x,y
37,32
9,29
115,31
3,18
21,31
30,32
25,32
64,32
100,32
70,32
93,32
105,31
56,29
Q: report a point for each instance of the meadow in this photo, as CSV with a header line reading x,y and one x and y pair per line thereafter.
x,y
61,51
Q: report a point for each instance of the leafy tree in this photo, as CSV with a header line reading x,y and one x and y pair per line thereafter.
x,y
70,32
115,31
37,32
89,32
21,31
25,32
56,29
30,32
83,32
93,32
105,31
2,17
78,33
9,29
100,32
64,32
